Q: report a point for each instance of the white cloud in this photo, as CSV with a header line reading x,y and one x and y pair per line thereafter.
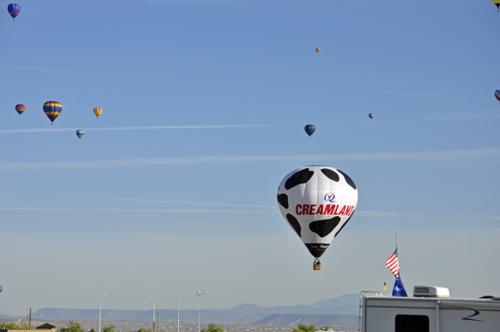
x,y
452,155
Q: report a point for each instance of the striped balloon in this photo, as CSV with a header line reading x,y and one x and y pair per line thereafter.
x,y
52,110
98,112
20,108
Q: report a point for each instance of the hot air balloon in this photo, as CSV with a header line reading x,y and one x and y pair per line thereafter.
x,y
497,95
14,10
371,115
52,110
310,129
79,133
20,108
317,202
98,112
1,289
318,49
497,3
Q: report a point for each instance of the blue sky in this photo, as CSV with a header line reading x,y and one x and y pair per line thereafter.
x,y
173,189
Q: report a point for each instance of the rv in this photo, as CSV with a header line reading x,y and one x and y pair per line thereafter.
x,y
429,310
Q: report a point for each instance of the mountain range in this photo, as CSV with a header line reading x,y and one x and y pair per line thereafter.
x,y
340,311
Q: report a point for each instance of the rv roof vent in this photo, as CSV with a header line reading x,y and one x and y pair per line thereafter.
x,y
430,291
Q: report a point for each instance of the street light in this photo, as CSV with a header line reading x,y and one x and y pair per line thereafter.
x,y
153,312
199,294
100,305
178,312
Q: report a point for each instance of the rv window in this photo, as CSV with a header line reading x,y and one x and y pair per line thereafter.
x,y
412,323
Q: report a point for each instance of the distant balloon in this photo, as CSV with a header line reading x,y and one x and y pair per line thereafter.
x,y
1,289
79,133
497,95
497,3
52,110
371,115
317,202
98,112
14,10
310,129
318,49
20,108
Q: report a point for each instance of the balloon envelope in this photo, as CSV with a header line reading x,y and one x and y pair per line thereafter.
x,y
20,108
371,115
79,133
497,3
52,110
1,289
317,202
497,95
310,129
14,10
318,49
98,112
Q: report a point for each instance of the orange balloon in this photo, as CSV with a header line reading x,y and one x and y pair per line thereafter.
x,y
318,49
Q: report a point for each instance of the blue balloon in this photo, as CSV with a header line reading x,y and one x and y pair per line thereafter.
x,y
14,10
310,129
371,115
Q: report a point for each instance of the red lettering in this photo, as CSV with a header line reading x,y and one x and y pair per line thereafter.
x,y
336,208
320,210
342,212
349,210
297,209
312,209
329,209
305,209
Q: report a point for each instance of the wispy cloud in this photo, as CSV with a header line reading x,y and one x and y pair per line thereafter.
x,y
58,209
414,94
47,130
141,200
451,155
78,72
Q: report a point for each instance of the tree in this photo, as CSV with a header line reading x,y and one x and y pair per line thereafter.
x,y
110,328
142,329
305,328
92,330
72,327
8,326
214,328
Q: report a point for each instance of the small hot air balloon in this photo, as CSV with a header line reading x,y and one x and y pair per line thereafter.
x,y
20,108
497,3
1,289
317,202
310,129
371,115
497,95
318,49
79,133
52,110
98,112
14,10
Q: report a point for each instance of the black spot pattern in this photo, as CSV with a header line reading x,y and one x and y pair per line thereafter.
x,y
283,200
348,179
294,223
298,178
344,224
317,249
332,175
324,227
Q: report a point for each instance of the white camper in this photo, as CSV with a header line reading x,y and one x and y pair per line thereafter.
x,y
429,310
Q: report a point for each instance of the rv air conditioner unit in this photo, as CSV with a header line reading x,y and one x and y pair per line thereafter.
x,y
430,291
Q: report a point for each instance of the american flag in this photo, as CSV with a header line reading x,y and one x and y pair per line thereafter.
x,y
392,263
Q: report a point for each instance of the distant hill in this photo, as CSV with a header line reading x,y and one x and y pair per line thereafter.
x,y
341,311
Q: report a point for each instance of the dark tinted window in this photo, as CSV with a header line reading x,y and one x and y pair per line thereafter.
x,y
412,323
